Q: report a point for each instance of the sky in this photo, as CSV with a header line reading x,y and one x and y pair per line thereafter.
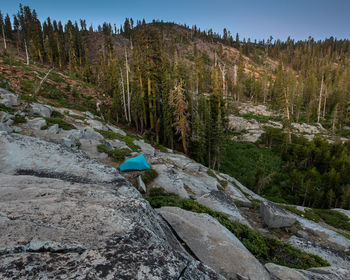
x,y
255,19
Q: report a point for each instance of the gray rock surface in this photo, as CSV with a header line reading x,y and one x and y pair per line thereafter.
x,y
220,201
146,148
36,123
75,218
334,257
32,156
279,272
141,185
183,183
213,244
5,127
53,229
275,216
10,98
41,110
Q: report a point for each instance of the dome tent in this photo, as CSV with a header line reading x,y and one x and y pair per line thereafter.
x,y
135,163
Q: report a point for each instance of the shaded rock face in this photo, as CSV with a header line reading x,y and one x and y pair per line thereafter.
x,y
274,216
213,244
74,218
220,201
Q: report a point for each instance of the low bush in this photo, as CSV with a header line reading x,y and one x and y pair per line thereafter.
x,y
116,154
6,109
61,123
127,139
18,119
149,175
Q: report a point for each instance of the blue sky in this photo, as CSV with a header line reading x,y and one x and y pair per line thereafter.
x,y
257,19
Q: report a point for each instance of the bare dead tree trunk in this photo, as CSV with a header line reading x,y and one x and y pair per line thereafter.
x,y
127,84
42,81
27,55
223,73
319,102
123,94
3,36
324,104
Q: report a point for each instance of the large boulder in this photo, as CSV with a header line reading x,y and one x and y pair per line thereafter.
x,y
213,244
222,202
274,216
41,110
36,123
8,98
183,183
279,272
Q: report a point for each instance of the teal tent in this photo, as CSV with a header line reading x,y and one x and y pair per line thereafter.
x,y
135,163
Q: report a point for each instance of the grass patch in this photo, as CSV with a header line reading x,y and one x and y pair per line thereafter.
x,y
211,173
61,123
265,249
116,154
6,109
346,235
149,175
128,139
18,119
77,117
56,114
330,217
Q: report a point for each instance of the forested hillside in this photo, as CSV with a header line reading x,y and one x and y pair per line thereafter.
x,y
177,85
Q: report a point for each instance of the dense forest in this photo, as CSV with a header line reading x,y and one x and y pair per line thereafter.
x,y
177,85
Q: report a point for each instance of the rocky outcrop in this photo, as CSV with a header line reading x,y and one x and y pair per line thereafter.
x,y
274,216
65,216
220,201
248,108
183,183
53,229
213,244
279,272
8,98
334,257
41,110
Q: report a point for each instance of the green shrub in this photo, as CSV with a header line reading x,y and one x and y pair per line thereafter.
x,y
265,249
211,173
18,119
56,114
6,109
61,123
127,139
149,175
116,154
